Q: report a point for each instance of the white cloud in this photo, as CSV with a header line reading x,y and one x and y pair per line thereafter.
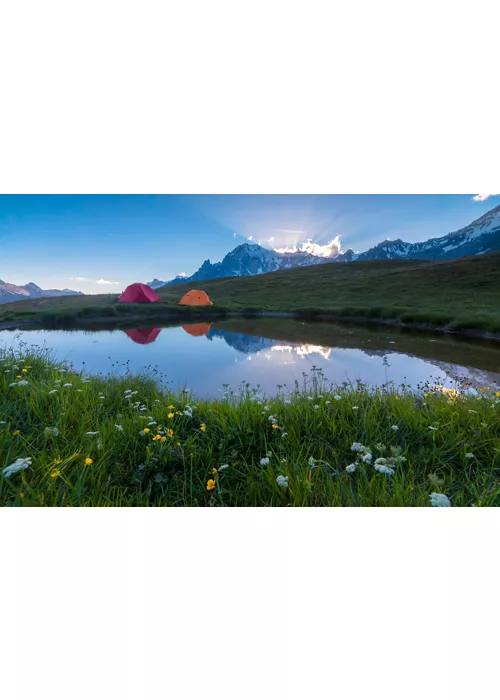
x,y
182,274
235,235
87,279
250,238
329,250
270,240
482,197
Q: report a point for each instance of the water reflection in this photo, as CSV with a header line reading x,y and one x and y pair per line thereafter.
x,y
197,329
143,336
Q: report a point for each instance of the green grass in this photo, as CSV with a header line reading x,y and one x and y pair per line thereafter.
x,y
133,469
460,294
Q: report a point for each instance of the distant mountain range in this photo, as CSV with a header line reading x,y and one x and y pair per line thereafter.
x,y
479,237
13,292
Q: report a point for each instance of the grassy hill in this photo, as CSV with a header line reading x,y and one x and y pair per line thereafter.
x,y
462,293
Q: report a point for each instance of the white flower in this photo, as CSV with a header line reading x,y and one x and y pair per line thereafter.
x,y
119,427
284,435
355,408
188,414
266,408
337,397
3,422
327,403
86,381
62,370
20,464
311,462
272,419
367,458
142,408
472,410
141,432
95,432
222,467
351,467
153,422
309,398
283,461
380,462
282,480
68,384
79,391
395,428
264,461
384,470
287,401
431,427
439,500
316,407
99,443
357,447
51,431
469,455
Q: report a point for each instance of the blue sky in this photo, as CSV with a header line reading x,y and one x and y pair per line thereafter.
x,y
76,240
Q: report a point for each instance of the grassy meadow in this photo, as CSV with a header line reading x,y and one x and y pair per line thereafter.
x,y
459,294
71,440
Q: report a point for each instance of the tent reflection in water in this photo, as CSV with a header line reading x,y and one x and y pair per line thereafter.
x,y
143,336
197,329
195,297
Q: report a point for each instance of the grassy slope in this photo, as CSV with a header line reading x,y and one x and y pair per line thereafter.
x,y
133,469
464,293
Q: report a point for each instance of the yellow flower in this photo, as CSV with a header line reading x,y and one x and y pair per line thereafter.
x,y
203,427
157,437
163,438
21,494
170,415
275,427
159,427
147,430
57,461
19,376
178,444
210,484
24,369
178,413
170,432
56,472
497,394
16,432
88,460
170,406
213,470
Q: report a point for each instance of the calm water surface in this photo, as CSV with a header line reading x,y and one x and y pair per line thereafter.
x,y
270,352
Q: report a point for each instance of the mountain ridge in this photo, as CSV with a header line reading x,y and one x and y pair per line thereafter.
x,y
14,292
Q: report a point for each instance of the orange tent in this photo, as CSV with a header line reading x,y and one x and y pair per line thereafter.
x,y
196,298
197,329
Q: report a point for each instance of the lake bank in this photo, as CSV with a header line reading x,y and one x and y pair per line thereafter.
x,y
120,441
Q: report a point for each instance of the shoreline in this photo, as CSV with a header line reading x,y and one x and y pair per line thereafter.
x,y
394,322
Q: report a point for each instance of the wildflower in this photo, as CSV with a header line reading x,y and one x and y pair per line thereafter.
x,y
327,403
57,461
222,467
19,376
380,447
284,435
153,422
395,428
79,391
56,472
203,427
68,384
119,427
380,462
62,370
316,407
311,462
282,480
170,415
439,500
188,413
96,432
156,438
274,426
266,408
99,444
367,458
355,408
51,431
24,369
264,461
469,455
20,464
497,394
431,427
287,401
383,469
88,461
163,438
170,406
357,447
351,467
272,419
178,444
170,432
213,470
337,397
210,484
16,432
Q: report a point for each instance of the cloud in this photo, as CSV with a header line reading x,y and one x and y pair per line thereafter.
x,y
482,197
235,235
329,250
270,240
87,279
250,238
182,274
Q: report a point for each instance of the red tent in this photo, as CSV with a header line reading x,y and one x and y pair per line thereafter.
x,y
143,336
138,292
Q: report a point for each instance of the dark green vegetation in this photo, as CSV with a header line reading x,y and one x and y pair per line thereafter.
x,y
459,294
122,442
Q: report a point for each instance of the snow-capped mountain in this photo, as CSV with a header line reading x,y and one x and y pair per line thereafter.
x,y
13,292
156,283
481,236
252,259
